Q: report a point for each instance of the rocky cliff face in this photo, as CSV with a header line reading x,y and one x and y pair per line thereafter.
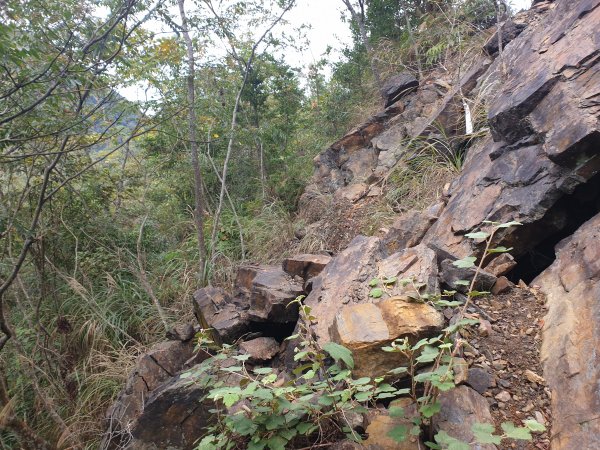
x,y
538,163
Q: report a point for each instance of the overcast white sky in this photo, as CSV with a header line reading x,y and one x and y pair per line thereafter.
x,y
327,29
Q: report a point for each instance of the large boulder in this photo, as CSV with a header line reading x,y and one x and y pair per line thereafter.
x,y
215,310
365,328
571,339
461,408
416,269
397,87
152,369
551,70
343,281
408,230
174,417
305,266
271,291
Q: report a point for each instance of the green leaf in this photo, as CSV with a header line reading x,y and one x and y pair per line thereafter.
x,y
390,280
499,250
363,396
451,443
398,371
376,293
460,324
508,224
288,434
430,410
274,422
305,427
429,354
263,370
325,400
361,381
465,263
276,443
398,433
477,235
462,283
339,353
534,426
448,304
309,375
242,425
230,399
474,294
260,445
374,282
512,432
484,433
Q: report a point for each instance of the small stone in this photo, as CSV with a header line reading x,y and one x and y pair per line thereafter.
x,y
528,407
529,331
540,417
260,349
533,377
503,396
485,328
461,370
502,285
499,364
479,379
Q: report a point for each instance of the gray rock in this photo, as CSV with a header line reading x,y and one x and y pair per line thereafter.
x,y
397,87
479,379
461,409
571,338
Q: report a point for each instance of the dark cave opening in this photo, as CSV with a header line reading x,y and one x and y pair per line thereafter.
x,y
278,331
563,219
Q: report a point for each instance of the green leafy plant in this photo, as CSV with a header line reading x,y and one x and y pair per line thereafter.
x,y
262,410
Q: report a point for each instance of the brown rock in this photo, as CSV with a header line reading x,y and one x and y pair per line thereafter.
x,y
365,328
183,332
534,377
571,338
260,349
381,423
415,268
271,292
502,285
501,265
461,409
215,311
151,371
343,281
352,193
305,266
461,370
503,396
407,231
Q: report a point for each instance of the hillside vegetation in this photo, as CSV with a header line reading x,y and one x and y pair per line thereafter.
x,y
113,212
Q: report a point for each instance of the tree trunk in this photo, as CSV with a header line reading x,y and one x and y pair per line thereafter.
x,y
198,194
360,22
